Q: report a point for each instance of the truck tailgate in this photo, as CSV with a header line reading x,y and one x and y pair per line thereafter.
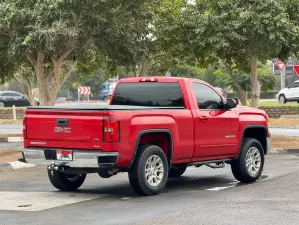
x,y
57,125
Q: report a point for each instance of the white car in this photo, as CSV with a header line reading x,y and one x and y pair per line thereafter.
x,y
290,93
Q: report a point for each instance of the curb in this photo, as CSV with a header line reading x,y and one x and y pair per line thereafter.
x,y
15,165
284,151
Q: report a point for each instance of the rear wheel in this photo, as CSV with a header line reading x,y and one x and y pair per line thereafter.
x,y
66,182
248,167
149,173
177,172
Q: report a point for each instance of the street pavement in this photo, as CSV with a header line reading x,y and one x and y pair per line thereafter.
x,y
11,128
17,129
284,131
201,196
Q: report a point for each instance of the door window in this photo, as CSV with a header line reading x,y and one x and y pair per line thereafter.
x,y
295,85
207,98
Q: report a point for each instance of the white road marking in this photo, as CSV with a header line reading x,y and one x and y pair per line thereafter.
x,y
15,139
219,188
20,165
37,201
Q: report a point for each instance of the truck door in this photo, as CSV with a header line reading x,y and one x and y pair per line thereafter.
x,y
216,129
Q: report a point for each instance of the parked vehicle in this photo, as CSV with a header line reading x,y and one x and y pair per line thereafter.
x,y
154,128
290,93
10,98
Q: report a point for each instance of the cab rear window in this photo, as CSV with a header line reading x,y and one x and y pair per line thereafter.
x,y
148,94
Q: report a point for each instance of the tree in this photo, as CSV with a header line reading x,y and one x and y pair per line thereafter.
x,y
25,78
265,78
53,35
239,33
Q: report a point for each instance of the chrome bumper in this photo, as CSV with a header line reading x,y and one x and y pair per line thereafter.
x,y
81,158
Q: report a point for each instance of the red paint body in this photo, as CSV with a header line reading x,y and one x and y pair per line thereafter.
x,y
194,139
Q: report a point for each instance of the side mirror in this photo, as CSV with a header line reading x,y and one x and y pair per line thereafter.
x,y
231,103
237,101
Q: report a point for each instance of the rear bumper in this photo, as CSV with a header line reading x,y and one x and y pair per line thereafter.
x,y
81,158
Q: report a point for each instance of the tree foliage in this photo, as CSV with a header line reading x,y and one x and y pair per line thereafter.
x,y
53,34
265,77
239,33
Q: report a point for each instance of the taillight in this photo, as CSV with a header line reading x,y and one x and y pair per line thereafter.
x,y
25,126
111,130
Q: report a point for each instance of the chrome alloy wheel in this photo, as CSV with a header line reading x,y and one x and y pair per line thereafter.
x,y
154,170
253,161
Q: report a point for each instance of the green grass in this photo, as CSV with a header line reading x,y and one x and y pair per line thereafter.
x,y
276,104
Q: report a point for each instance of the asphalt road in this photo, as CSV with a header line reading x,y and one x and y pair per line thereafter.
x,y
200,196
17,129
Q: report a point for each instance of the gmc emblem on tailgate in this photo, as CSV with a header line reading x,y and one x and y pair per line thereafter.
x,y
62,130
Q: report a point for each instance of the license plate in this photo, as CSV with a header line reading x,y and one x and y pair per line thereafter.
x,y
65,155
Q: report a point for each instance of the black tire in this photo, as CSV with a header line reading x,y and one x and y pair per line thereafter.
x,y
177,172
66,182
282,99
238,166
137,175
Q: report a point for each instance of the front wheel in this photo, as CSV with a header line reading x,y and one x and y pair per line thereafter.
x,y
249,165
282,99
66,182
149,173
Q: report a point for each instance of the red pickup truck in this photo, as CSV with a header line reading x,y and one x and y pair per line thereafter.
x,y
153,128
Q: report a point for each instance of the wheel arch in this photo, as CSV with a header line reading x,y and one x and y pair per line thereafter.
x,y
259,132
153,131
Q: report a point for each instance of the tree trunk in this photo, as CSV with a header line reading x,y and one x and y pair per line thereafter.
x,y
49,81
144,64
241,93
27,90
29,93
255,84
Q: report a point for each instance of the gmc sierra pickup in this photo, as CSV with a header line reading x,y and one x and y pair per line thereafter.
x,y
153,128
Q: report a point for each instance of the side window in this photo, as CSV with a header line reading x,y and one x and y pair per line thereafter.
x,y
6,95
11,94
206,97
295,85
15,95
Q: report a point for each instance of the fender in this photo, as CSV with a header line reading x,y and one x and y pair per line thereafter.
x,y
242,138
152,131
